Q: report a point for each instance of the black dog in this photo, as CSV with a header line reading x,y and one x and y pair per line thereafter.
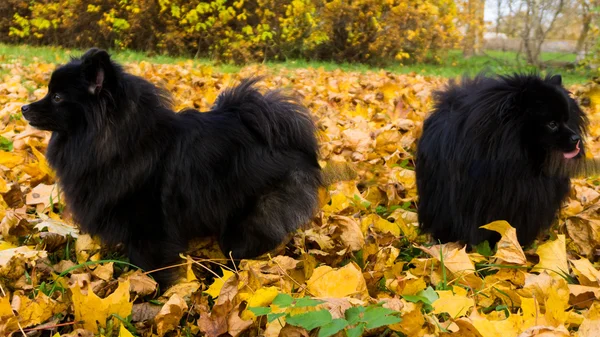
x,y
135,172
497,148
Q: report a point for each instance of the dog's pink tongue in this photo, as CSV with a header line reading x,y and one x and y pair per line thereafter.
x,y
573,153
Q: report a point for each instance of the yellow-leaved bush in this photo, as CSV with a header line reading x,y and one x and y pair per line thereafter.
x,y
371,31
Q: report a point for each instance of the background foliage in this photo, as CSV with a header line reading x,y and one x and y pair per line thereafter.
x,y
371,31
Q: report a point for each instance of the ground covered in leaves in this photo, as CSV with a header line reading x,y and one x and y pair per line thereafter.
x,y
360,268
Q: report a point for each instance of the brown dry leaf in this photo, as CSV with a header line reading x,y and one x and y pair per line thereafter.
x,y
140,283
583,296
214,324
546,331
324,241
466,329
293,331
169,315
44,195
351,235
584,230
13,225
235,324
104,271
142,312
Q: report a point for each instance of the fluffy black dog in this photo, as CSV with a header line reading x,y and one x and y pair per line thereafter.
x,y
134,171
497,148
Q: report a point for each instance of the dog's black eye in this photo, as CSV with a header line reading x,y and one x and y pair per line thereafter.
x,y
553,126
56,98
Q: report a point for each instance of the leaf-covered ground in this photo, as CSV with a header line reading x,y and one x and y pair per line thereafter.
x,y
359,268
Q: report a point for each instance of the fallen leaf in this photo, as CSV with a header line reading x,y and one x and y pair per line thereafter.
x,y
57,227
95,311
346,281
38,310
104,271
214,324
456,303
509,249
457,261
586,273
10,159
43,194
553,257
169,315
351,235
215,287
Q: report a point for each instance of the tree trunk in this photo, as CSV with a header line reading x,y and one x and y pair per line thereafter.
x,y
534,34
585,28
474,34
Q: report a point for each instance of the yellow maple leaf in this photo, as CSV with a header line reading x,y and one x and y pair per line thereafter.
x,y
42,163
6,245
456,302
261,298
509,248
3,186
5,308
38,310
215,288
346,281
10,159
94,311
123,332
509,327
380,224
553,257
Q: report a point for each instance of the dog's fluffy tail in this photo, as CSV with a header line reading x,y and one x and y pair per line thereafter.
x,y
278,119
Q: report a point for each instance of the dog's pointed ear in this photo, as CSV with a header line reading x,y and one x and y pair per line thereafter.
x,y
96,66
556,80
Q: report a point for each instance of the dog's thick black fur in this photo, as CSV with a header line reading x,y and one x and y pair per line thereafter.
x,y
134,171
494,148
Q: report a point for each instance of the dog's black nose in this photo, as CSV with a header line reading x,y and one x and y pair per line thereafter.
x,y
25,108
575,138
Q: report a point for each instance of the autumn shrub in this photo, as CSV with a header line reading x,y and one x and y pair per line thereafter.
x,y
372,31
377,31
